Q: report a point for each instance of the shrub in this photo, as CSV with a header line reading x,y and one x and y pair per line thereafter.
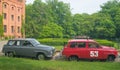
x,y
106,42
53,41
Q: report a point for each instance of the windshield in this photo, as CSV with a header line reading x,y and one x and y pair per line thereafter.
x,y
35,42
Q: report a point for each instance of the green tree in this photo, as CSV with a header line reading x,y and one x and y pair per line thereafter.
x,y
51,30
103,27
113,9
1,26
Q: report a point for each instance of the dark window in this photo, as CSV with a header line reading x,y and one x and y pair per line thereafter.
x,y
18,29
26,43
73,44
81,45
18,18
93,45
4,6
5,28
12,29
18,10
12,17
5,15
12,8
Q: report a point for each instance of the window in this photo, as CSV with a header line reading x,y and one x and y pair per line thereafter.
x,y
12,8
26,43
18,10
12,29
12,17
18,18
5,15
18,29
20,0
14,43
81,45
93,45
5,28
4,6
11,43
72,44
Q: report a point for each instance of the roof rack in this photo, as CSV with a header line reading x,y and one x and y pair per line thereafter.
x,y
82,37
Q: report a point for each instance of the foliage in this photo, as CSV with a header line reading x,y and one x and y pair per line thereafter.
x,y
105,42
23,27
1,26
53,18
51,30
27,64
53,41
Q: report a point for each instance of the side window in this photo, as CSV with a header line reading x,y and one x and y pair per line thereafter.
x,y
93,45
18,43
10,43
72,45
81,45
26,43
14,43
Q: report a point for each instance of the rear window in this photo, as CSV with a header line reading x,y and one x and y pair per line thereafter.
x,y
13,42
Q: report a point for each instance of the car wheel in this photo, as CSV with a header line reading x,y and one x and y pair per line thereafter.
x,y
110,58
73,58
40,57
10,54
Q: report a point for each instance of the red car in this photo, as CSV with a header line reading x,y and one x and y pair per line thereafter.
x,y
88,49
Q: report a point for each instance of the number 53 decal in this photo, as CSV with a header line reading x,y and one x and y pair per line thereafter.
x,y
94,53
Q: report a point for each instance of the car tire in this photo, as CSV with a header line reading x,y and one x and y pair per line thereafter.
x,y
110,58
10,54
73,58
40,57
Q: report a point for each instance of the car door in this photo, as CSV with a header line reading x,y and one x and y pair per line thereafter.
x,y
81,49
93,51
27,49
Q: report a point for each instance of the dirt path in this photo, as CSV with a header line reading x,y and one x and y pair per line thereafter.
x,y
1,46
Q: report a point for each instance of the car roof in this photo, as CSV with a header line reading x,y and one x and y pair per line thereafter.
x,y
23,39
81,40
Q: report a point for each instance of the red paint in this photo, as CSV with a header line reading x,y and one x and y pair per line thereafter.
x,y
98,52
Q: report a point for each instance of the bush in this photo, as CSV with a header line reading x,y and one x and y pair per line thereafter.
x,y
53,41
61,42
106,42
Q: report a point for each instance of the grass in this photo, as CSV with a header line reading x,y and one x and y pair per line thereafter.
x,y
58,48
28,64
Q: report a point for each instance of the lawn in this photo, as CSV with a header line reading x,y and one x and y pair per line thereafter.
x,y
29,64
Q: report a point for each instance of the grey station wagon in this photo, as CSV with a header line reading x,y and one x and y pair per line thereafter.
x,y
28,47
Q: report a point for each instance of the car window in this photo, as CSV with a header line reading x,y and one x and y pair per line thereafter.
x,y
72,44
93,45
14,43
81,45
26,43
11,43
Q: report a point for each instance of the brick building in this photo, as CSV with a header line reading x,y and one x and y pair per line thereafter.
x,y
13,12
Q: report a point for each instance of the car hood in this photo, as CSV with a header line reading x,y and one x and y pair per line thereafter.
x,y
45,46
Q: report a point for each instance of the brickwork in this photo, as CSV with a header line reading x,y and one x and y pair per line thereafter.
x,y
13,12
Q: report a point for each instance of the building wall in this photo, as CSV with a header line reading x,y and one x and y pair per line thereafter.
x,y
13,12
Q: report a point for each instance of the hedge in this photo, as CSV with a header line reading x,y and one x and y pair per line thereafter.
x,y
106,43
61,41
53,41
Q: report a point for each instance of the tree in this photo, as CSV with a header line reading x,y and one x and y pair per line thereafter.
x,y
1,26
52,30
103,27
113,9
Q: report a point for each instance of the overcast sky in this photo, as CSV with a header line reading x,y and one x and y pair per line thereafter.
x,y
82,6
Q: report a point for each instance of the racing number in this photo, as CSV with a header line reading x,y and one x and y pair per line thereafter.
x,y
93,53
